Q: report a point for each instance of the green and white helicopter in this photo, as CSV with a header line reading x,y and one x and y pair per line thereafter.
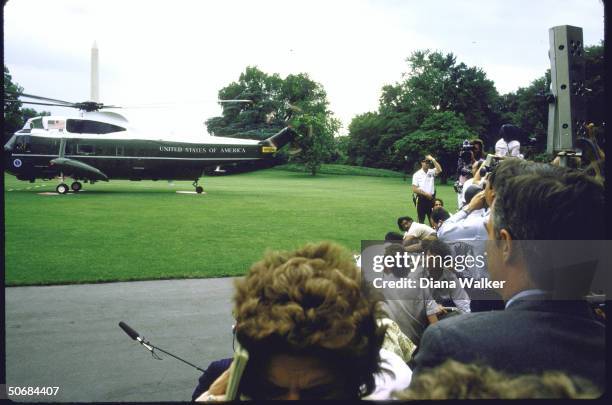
x,y
101,145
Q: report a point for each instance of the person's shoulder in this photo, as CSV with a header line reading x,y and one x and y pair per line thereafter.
x,y
471,321
452,337
424,228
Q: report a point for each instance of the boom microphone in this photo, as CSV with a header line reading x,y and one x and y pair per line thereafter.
x,y
134,335
126,328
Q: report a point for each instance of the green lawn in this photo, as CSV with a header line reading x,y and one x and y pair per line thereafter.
x,y
144,230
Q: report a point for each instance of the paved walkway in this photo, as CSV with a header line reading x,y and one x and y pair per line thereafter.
x,y
67,336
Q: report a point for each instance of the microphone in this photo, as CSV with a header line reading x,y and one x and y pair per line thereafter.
x,y
135,336
126,328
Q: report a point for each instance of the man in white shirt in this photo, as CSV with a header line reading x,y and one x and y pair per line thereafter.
x,y
414,230
465,232
423,185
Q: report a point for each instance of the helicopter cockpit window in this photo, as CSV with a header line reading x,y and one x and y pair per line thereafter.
x,y
23,143
91,127
36,123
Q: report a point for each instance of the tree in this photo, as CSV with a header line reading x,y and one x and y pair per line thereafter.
x,y
318,142
297,100
257,120
594,82
12,109
435,83
364,133
441,135
340,154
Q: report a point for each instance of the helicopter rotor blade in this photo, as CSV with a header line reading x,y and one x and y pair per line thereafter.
x,y
68,103
235,101
36,103
93,106
175,104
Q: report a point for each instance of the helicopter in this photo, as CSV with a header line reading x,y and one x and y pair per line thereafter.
x,y
101,145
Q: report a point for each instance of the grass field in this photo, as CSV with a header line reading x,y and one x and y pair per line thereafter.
x,y
126,230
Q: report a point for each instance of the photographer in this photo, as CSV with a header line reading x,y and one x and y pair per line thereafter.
x,y
423,185
478,150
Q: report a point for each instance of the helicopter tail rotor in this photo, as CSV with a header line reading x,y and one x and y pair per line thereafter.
x,y
280,139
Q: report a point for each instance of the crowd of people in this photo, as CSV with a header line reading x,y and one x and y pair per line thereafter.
x,y
315,329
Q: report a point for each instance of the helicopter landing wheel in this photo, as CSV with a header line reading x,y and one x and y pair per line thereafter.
x,y
199,189
76,186
62,188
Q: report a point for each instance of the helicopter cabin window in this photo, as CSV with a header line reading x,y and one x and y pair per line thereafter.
x,y
91,127
60,125
85,149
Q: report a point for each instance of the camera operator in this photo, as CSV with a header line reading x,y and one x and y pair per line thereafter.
x,y
423,185
470,158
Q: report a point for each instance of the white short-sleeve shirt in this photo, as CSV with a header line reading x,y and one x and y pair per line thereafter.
x,y
419,231
425,180
501,148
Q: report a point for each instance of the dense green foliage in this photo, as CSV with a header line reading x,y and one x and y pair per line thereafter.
x,y
12,115
439,135
296,100
440,102
125,230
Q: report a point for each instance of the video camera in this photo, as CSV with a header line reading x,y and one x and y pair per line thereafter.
x,y
464,163
466,159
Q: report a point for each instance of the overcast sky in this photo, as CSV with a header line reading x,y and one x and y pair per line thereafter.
x,y
161,51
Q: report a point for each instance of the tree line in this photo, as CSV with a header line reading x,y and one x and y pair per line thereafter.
x,y
438,103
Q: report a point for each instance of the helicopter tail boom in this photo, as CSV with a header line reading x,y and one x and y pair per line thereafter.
x,y
280,139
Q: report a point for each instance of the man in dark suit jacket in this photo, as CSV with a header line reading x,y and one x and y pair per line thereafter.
x,y
535,332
